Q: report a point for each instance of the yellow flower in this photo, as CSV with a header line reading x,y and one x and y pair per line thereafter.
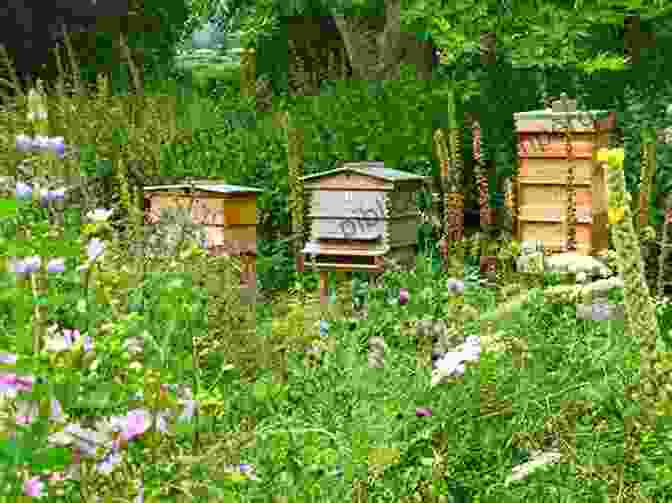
x,y
603,155
615,215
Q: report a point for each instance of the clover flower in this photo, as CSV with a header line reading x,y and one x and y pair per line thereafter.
x,y
423,411
403,296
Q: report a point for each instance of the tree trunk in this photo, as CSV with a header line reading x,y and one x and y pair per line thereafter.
x,y
374,46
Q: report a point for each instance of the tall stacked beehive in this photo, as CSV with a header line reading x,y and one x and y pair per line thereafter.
x,y
542,211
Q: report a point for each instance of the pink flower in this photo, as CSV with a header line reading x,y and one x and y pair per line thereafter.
x,y
403,296
33,487
423,411
24,419
16,383
137,422
56,477
70,336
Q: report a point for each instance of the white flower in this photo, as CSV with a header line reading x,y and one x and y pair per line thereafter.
x,y
99,215
452,362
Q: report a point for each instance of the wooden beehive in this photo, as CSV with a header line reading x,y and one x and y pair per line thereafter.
x,y
542,194
228,212
360,213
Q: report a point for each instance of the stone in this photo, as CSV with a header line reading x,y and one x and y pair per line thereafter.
x,y
598,311
531,262
528,247
572,262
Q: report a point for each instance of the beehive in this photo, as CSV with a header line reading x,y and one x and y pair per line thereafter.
x,y
228,212
544,165
360,213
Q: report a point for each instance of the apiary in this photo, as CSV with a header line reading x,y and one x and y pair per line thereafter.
x,y
358,214
228,212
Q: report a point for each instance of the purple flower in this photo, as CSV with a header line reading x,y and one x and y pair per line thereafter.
x,y
23,191
33,487
56,265
70,336
47,196
8,359
26,266
88,344
423,412
56,145
33,264
24,143
95,249
403,296
112,459
19,267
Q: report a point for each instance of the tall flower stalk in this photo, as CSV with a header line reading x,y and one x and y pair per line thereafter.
x,y
640,308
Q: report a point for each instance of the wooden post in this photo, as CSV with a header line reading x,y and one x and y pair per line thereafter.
x,y
324,288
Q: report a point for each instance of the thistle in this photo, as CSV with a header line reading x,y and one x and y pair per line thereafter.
x,y
639,306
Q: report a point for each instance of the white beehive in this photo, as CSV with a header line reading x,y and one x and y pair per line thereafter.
x,y
359,213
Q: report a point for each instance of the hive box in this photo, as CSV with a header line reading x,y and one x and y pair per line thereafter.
x,y
542,196
228,212
359,213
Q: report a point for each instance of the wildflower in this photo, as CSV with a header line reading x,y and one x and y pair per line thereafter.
x,y
136,423
112,459
403,296
188,411
99,215
87,440
57,477
33,487
70,336
11,383
8,358
24,143
245,470
56,145
48,196
95,249
324,328
56,265
23,191
423,411
615,215
455,286
33,264
452,363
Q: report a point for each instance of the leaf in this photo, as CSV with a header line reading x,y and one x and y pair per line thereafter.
x,y
51,459
8,208
11,453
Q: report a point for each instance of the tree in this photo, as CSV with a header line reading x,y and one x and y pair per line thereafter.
x,y
152,27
